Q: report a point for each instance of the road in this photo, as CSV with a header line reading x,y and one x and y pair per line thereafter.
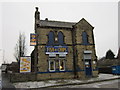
x,y
0,80
105,84
6,83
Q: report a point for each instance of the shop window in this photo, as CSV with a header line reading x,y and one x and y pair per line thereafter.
x,y
62,65
85,38
60,38
51,38
51,65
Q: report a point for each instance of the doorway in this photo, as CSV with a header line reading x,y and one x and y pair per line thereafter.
x,y
87,63
88,68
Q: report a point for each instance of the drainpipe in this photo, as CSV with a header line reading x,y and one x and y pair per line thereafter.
x,y
74,52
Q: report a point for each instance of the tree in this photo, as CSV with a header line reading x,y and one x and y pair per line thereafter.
x,y
109,55
20,48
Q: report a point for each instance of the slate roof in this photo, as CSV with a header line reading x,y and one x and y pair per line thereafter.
x,y
61,24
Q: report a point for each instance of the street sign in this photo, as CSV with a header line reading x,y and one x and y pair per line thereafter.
x,y
33,41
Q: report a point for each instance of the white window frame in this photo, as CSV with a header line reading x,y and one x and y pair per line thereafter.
x,y
60,64
49,65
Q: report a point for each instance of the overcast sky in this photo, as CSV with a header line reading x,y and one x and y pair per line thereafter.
x,y
19,17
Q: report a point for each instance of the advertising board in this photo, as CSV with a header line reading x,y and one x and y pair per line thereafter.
x,y
25,64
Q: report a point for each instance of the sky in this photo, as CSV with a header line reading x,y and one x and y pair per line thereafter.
x,y
16,17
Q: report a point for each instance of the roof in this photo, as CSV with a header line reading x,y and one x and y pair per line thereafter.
x,y
50,23
84,24
108,62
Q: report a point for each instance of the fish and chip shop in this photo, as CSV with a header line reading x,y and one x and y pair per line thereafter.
x,y
63,49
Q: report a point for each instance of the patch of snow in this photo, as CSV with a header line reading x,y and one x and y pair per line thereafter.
x,y
34,84
107,76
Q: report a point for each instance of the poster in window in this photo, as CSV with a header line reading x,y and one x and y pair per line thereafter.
x,y
25,64
61,65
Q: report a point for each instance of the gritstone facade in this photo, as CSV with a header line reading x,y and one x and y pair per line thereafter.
x,y
64,49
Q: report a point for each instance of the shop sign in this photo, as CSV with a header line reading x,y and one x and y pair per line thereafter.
x,y
56,50
33,39
25,64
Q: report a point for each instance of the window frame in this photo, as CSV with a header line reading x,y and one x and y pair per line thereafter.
x,y
85,39
49,38
63,65
59,39
51,60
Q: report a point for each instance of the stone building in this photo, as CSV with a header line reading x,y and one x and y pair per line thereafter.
x,y
64,49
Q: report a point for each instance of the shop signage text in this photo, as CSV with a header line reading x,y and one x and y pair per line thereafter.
x,y
56,49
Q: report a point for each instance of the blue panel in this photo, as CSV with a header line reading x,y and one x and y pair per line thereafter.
x,y
60,38
51,38
55,72
116,69
85,38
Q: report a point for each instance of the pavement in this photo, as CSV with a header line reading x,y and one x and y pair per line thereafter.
x,y
66,82
6,84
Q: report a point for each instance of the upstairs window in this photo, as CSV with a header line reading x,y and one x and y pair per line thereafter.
x,y
51,38
85,38
60,38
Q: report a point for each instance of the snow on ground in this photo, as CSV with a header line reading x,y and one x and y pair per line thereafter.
x,y
40,84
104,76
35,84
105,84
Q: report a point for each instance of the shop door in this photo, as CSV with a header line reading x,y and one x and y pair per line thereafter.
x,y
88,68
87,62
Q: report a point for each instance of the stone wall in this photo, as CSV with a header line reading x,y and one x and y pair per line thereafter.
x,y
43,32
80,27
61,75
43,57
21,77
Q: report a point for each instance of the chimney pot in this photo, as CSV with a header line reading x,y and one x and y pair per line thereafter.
x,y
46,19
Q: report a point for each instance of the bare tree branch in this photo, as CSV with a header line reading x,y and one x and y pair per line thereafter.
x,y
20,48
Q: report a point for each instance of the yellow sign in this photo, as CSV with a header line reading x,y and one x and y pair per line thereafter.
x,y
56,49
25,64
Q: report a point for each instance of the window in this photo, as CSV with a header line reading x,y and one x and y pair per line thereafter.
x,y
85,38
51,65
60,38
51,38
62,65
